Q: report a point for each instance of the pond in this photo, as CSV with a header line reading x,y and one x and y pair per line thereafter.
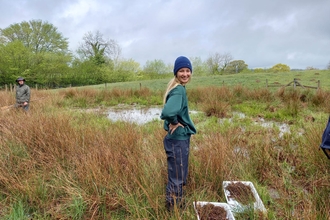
x,y
135,115
143,115
283,127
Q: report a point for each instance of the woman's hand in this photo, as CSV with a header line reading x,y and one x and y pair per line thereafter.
x,y
173,127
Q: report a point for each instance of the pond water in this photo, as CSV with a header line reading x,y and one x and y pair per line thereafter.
x,y
135,115
144,115
283,127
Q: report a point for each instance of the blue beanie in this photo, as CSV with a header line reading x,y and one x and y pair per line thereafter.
x,y
182,62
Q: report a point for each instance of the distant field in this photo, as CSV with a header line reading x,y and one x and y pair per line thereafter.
x,y
250,80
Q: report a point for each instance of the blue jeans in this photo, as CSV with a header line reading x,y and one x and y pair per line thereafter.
x,y
177,152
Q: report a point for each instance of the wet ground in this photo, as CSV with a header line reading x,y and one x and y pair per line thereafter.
x,y
136,115
143,115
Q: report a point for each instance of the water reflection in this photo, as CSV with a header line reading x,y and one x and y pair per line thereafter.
x,y
144,115
283,127
139,116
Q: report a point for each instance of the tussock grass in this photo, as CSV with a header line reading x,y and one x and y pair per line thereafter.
x,y
215,100
86,98
59,161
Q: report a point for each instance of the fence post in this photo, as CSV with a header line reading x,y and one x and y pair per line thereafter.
x,y
294,83
318,84
266,83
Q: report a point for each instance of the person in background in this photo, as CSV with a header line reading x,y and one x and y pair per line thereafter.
x,y
179,127
23,94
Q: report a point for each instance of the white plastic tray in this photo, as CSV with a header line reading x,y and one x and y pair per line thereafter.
x,y
230,215
235,206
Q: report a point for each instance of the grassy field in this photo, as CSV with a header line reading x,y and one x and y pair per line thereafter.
x,y
63,161
249,80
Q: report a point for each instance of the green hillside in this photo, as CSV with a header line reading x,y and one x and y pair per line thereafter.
x,y
250,80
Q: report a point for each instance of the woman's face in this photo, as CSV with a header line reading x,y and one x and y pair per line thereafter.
x,y
183,75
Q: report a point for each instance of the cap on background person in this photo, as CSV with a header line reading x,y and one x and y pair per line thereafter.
x,y
20,79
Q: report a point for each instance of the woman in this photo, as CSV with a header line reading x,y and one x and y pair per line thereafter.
x,y
179,128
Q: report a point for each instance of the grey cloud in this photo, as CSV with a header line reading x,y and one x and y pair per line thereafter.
x,y
262,33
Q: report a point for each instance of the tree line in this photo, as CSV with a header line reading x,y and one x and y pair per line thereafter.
x,y
37,51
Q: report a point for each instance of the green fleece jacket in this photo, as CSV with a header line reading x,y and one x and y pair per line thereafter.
x,y
176,110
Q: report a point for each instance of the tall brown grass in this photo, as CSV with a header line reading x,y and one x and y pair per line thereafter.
x,y
60,163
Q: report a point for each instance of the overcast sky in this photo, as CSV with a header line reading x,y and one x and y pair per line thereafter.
x,y
260,32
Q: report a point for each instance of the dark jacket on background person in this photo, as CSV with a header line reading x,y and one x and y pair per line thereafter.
x,y
176,110
23,93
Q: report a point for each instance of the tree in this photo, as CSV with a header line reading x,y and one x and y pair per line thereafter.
x,y
218,62
280,68
95,48
125,70
36,35
199,67
35,50
14,59
128,65
97,59
86,72
236,66
51,69
328,66
155,67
